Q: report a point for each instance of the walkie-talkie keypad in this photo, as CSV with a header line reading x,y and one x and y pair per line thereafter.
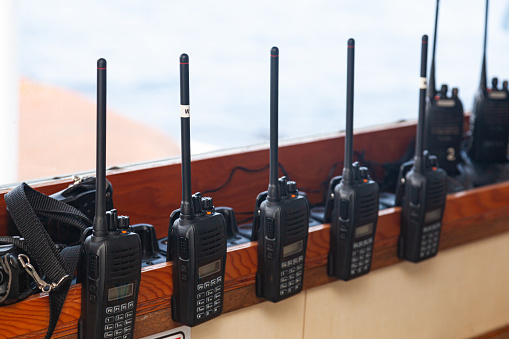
x,y
118,322
208,299
290,279
361,256
430,239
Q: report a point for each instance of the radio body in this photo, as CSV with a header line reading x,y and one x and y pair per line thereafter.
x,y
112,254
444,124
282,242
423,205
110,285
353,226
198,252
490,125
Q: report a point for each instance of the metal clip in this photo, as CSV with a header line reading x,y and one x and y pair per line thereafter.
x,y
43,286
76,180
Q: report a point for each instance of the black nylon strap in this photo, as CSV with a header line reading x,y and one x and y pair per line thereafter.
x,y
24,205
20,242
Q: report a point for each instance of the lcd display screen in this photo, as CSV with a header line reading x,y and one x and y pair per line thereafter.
x,y
209,269
120,292
296,247
432,216
363,230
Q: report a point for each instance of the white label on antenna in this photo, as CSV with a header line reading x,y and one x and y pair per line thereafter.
x,y
423,84
185,111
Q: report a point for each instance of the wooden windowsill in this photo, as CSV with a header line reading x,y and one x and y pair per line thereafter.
x,y
150,194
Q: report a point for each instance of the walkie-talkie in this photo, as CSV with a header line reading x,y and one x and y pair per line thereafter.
x,y
490,116
423,202
444,120
355,211
197,238
112,254
283,220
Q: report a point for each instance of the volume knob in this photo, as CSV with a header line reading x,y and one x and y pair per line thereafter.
x,y
123,222
292,187
197,203
363,173
207,203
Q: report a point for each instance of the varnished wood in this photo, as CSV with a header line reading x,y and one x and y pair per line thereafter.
x,y
499,333
149,193
469,216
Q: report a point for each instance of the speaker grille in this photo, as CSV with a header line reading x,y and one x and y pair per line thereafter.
x,y
123,262
368,208
436,192
296,222
446,124
497,113
211,240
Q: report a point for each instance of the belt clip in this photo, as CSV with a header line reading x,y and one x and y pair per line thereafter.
x,y
43,286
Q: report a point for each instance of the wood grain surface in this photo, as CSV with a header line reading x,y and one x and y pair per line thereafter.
x,y
148,194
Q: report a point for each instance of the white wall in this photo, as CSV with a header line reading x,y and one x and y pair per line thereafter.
x,y
458,294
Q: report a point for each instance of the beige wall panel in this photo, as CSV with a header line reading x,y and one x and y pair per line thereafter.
x,y
282,320
460,293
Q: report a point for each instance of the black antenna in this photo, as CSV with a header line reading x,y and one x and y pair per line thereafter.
x,y
273,193
483,84
347,170
100,226
419,142
432,87
186,207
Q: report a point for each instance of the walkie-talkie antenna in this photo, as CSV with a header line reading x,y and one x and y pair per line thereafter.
x,y
273,193
432,87
347,169
419,139
483,85
186,207
100,227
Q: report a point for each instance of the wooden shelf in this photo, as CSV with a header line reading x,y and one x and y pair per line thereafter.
x,y
149,194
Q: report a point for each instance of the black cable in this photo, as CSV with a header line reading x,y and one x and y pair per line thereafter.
x,y
240,168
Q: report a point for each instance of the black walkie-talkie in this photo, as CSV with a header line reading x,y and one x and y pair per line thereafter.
x,y
355,211
490,117
423,202
112,254
283,221
444,120
197,239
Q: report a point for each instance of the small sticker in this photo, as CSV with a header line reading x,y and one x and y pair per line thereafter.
x,y
185,111
423,84
182,332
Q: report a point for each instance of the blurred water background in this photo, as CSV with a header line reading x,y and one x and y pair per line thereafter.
x,y
228,42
